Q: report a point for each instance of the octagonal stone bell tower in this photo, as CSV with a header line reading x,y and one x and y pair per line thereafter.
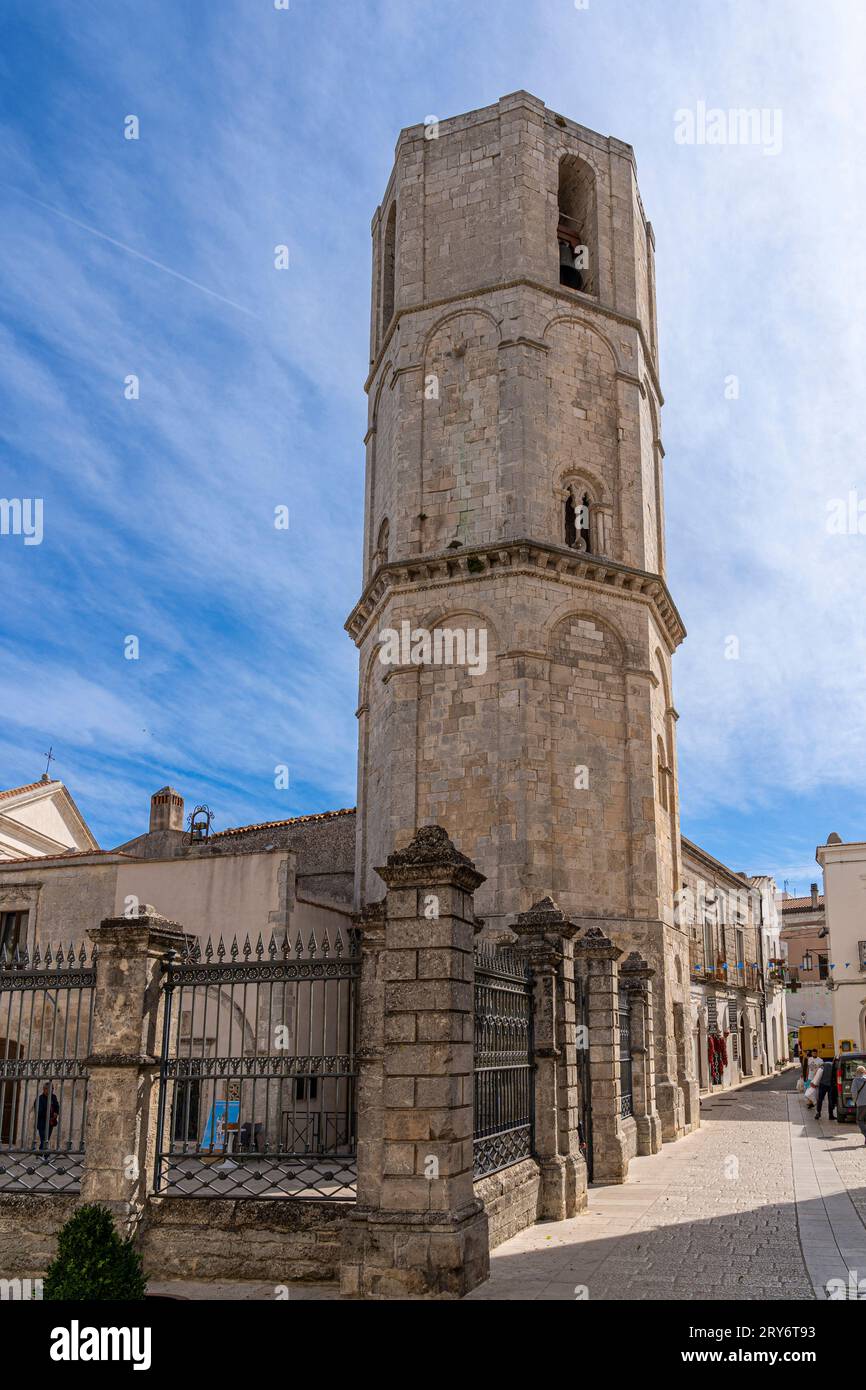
x,y
515,629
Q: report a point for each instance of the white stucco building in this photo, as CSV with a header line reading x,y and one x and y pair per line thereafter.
x,y
41,819
844,868
773,951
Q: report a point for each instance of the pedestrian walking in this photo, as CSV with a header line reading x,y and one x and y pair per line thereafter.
x,y
858,1095
827,1088
47,1111
813,1074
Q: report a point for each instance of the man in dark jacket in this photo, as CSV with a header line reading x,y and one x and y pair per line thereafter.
x,y
47,1108
827,1087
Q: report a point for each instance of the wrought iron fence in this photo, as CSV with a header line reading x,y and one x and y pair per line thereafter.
x,y
626,1107
257,1075
46,1016
504,1116
584,1073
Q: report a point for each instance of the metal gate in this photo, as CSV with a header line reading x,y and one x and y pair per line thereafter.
x,y
504,1090
257,1075
46,1014
625,1072
584,1124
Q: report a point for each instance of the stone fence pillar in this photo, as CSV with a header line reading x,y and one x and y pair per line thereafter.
x,y
597,957
635,978
122,1090
369,1054
544,942
417,1229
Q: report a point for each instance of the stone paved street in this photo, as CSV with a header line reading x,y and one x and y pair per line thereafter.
x,y
762,1202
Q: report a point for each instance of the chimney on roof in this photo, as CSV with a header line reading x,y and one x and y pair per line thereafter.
x,y
166,810
813,887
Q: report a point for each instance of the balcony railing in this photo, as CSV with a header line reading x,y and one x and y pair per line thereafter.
x,y
700,969
721,971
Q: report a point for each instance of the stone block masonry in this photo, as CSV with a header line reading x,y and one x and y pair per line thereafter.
x,y
499,396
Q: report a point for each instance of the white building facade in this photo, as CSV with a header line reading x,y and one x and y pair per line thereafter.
x,y
844,867
41,819
773,953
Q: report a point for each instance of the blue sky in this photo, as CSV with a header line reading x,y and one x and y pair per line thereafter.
x,y
155,257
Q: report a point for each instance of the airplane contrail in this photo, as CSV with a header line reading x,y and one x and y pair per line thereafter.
x,y
131,251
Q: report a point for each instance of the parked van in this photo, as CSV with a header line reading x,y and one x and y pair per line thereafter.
x,y
846,1067
818,1040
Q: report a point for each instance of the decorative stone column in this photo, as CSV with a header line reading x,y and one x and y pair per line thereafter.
x,y
544,941
417,1229
604,528
120,1136
597,956
635,977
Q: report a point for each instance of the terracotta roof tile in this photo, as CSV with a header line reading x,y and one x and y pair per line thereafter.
x,y
31,787
798,904
68,854
293,820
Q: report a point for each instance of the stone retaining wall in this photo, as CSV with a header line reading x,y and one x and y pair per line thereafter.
x,y
511,1199
192,1238
220,1238
28,1232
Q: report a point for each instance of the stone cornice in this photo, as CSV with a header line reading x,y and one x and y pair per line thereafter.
x,y
544,919
594,945
514,557
430,856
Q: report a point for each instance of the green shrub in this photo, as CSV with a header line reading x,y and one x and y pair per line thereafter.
x,y
92,1262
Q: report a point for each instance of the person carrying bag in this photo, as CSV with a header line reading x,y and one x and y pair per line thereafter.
x,y
858,1095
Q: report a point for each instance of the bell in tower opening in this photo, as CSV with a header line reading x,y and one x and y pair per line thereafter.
x,y
569,255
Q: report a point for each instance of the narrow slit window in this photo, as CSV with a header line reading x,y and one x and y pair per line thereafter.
x,y
389,269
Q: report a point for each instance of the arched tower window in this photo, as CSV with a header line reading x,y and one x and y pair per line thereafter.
x,y
570,519
583,521
576,234
380,555
577,512
389,268
662,776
